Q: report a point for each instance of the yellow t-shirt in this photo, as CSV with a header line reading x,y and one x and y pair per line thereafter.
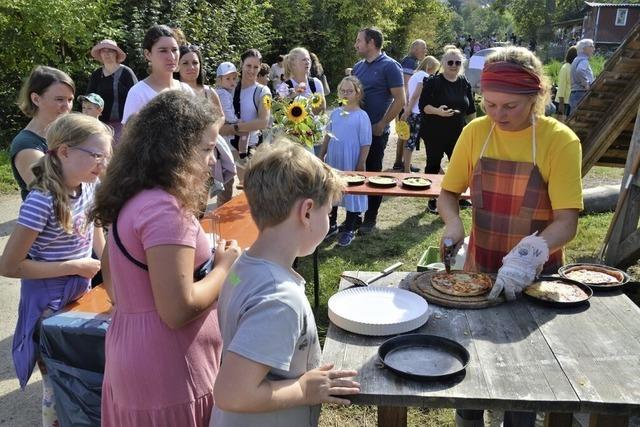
x,y
558,156
564,83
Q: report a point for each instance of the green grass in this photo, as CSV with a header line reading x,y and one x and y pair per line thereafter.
x,y
7,183
552,68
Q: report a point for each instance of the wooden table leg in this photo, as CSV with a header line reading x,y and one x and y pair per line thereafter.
x,y
601,420
392,416
558,419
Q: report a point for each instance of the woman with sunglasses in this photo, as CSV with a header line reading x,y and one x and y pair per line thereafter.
x,y
523,170
446,103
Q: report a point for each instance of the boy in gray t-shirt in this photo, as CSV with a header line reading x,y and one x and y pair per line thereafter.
x,y
270,374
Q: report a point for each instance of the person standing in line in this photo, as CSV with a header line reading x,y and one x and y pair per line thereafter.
x,y
411,114
276,73
163,345
409,65
112,82
581,73
45,95
91,104
446,104
50,247
381,78
564,84
263,74
317,71
161,51
298,79
345,148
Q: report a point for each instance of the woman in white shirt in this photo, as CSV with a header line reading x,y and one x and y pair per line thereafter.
x,y
298,81
162,53
411,114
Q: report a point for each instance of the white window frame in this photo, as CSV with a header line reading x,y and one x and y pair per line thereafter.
x,y
621,17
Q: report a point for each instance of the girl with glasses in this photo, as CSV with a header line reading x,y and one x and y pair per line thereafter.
x,y
446,104
345,147
50,248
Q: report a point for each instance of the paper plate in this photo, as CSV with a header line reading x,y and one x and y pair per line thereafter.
x,y
377,311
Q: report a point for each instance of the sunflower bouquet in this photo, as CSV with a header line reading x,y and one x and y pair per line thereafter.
x,y
295,118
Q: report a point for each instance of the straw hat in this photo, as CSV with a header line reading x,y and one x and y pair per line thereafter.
x,y
108,44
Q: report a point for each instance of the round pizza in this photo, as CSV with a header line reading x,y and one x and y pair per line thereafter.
x,y
592,275
556,291
462,283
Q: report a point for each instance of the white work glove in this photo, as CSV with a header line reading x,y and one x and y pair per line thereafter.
x,y
520,267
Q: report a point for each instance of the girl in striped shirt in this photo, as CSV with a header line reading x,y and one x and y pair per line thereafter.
x,y
50,248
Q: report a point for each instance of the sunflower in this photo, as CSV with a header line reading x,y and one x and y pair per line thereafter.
x,y
316,100
266,102
342,101
296,112
402,129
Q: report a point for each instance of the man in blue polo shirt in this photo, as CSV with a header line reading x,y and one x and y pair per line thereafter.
x,y
381,77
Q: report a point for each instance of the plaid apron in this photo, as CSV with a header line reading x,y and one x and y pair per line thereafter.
x,y
510,201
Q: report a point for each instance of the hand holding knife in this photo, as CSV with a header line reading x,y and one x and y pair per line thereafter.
x,y
448,253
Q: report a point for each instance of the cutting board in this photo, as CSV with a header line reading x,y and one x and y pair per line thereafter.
x,y
421,285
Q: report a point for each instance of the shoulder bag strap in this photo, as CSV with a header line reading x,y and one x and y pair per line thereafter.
x,y
116,237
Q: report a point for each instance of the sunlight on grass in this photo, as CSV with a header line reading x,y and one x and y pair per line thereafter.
x,y
7,183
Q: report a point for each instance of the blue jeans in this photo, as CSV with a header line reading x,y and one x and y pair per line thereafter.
x,y
575,97
374,164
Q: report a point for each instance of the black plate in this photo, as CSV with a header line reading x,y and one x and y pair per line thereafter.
x,y
595,286
424,357
559,304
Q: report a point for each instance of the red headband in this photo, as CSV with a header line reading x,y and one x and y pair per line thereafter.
x,y
509,78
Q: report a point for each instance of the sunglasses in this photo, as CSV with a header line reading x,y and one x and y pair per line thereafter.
x,y
451,62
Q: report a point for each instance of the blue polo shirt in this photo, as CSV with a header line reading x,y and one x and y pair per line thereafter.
x,y
378,77
409,64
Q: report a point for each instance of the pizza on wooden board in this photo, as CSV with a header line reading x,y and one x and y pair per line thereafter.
x,y
462,283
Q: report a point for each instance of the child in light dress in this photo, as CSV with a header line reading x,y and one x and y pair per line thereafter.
x,y
226,83
346,147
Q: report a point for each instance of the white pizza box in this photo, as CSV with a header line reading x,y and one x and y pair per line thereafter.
x,y
377,311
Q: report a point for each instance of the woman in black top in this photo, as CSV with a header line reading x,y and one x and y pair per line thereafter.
x,y
446,103
112,82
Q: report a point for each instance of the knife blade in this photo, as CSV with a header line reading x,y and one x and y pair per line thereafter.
x,y
448,253
384,272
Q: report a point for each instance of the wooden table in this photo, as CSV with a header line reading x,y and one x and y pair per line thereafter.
x,y
399,190
523,357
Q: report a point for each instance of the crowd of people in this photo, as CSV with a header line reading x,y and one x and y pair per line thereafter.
x,y
217,336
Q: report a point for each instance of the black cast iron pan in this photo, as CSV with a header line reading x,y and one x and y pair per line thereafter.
x,y
424,357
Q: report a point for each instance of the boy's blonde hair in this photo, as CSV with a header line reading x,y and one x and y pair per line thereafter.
x,y
526,59
429,63
282,173
72,130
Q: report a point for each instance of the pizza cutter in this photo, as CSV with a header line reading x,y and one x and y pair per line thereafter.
x,y
448,253
359,282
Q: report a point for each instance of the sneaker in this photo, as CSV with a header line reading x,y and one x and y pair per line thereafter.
x,y
367,227
343,226
346,238
333,230
464,203
398,166
432,206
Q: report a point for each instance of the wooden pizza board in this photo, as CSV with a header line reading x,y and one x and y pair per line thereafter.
x,y
421,285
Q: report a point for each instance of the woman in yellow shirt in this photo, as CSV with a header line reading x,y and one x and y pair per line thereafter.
x,y
523,170
564,83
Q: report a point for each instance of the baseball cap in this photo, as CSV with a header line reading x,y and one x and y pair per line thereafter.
x,y
225,68
93,98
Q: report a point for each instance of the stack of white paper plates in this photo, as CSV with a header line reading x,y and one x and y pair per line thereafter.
x,y
377,311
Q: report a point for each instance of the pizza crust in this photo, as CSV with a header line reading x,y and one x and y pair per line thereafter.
x,y
593,275
461,283
556,291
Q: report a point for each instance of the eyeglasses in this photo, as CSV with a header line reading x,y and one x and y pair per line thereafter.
x,y
98,157
347,91
451,62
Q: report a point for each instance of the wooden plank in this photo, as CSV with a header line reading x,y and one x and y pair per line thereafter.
x,y
392,416
597,351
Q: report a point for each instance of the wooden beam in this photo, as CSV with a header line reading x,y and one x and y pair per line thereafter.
x,y
623,109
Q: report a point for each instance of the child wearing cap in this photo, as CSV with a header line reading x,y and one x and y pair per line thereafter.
x,y
270,374
226,82
92,104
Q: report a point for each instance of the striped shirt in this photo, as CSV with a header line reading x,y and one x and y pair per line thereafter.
x,y
53,243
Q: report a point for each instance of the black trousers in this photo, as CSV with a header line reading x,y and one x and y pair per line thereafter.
x,y
374,164
436,147
350,221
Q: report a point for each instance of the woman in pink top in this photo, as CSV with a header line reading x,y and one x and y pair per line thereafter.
x,y
163,345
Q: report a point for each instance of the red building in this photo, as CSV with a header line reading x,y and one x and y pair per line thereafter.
x,y
609,23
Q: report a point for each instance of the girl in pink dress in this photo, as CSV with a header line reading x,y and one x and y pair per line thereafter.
x,y
163,345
